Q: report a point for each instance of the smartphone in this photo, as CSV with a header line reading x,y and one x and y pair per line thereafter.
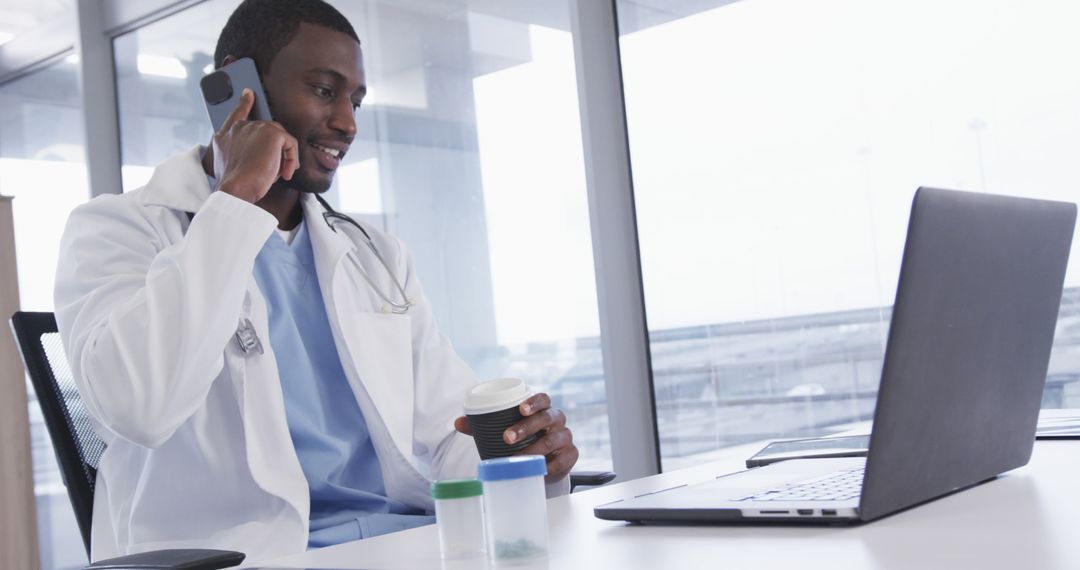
x,y
848,446
221,91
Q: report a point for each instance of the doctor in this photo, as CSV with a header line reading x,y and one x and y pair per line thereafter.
x,y
255,389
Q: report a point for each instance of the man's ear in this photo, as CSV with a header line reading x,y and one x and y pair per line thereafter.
x,y
228,59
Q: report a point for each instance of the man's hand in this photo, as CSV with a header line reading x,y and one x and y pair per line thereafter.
x,y
249,156
556,443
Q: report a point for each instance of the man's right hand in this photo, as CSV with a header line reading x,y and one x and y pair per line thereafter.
x,y
249,156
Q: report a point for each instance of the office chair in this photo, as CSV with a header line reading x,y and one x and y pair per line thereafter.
x,y
78,448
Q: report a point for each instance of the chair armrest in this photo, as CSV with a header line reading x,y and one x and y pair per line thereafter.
x,y
173,559
590,478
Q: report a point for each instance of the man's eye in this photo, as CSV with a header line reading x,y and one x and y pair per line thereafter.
x,y
323,91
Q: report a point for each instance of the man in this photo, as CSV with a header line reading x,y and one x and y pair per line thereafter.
x,y
253,388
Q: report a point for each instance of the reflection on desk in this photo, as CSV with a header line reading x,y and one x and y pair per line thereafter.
x,y
1023,519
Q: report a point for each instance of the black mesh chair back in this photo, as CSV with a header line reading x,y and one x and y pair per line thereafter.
x,y
78,448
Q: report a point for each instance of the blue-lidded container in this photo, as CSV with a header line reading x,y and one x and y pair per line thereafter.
x,y
515,507
515,467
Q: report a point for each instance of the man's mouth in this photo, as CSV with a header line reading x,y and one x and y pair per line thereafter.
x,y
329,157
333,152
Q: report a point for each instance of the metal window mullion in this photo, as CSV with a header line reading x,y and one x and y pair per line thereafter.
x,y
123,16
623,331
97,86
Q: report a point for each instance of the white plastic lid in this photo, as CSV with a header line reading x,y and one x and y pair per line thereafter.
x,y
496,395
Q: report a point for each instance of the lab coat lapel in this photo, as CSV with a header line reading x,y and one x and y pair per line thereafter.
x,y
262,409
375,348
327,246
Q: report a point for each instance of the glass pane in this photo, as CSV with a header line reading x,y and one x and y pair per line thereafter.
x,y
19,17
773,171
469,150
42,164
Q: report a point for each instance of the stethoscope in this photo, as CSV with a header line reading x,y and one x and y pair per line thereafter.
x,y
332,217
245,333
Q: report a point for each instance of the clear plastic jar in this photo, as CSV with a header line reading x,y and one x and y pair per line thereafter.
x,y
515,508
459,514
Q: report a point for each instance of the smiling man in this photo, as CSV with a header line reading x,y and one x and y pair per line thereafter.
x,y
238,353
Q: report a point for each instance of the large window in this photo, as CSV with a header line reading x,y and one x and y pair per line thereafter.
x,y
469,150
42,164
776,145
19,17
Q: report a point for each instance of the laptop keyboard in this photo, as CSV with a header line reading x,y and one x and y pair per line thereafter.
x,y
838,486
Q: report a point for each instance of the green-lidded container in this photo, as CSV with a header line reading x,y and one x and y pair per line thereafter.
x,y
456,489
459,512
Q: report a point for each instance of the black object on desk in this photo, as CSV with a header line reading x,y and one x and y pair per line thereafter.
x,y
590,478
173,559
811,448
1053,424
1058,424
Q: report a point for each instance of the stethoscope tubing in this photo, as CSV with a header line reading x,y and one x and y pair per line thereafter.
x,y
399,308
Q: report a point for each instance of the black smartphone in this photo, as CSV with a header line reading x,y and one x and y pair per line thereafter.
x,y
847,446
221,91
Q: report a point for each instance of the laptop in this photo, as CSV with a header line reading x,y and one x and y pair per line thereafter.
x,y
962,382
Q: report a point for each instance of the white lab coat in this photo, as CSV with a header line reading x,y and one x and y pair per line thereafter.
x,y
199,452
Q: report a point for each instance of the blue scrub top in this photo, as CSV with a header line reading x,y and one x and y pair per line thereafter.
x,y
348,498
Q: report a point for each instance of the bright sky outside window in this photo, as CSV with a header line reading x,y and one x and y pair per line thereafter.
x,y
774,167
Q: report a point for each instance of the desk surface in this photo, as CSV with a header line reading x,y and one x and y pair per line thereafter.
x,y
1027,518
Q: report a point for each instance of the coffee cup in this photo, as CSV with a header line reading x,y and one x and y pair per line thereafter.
x,y
491,408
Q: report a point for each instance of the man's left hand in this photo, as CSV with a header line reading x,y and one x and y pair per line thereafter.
x,y
556,443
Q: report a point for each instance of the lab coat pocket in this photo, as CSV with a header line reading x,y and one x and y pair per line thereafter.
x,y
380,349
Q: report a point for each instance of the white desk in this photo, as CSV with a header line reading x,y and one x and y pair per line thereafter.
x,y
1028,518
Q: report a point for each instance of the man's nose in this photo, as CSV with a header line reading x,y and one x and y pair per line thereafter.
x,y
343,118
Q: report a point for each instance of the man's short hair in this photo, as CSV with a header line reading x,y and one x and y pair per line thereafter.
x,y
260,28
